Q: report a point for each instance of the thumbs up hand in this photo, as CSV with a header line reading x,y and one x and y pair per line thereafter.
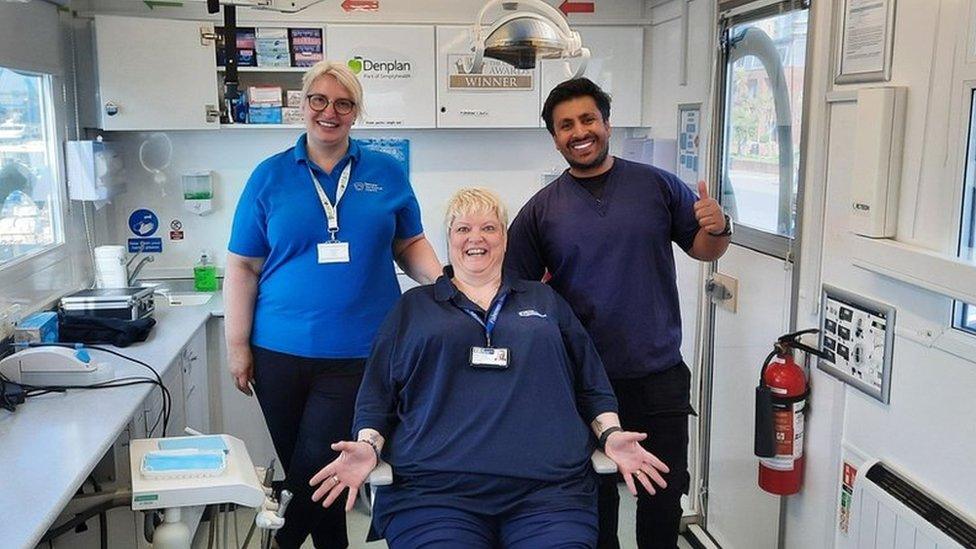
x,y
708,211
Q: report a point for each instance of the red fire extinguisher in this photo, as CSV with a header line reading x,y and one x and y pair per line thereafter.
x,y
781,406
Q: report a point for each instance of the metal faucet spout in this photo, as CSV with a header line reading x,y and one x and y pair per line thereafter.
x,y
135,272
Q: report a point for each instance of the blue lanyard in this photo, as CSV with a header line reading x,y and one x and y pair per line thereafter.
x,y
492,317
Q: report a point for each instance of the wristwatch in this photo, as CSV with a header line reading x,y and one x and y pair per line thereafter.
x,y
606,434
728,227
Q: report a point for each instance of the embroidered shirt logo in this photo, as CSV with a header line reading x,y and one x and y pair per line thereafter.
x,y
366,186
531,312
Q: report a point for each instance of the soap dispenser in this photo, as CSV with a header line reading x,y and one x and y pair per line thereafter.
x,y
205,274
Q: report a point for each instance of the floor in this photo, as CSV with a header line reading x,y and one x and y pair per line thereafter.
x,y
358,524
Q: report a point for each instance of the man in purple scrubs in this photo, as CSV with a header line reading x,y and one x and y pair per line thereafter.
x,y
603,231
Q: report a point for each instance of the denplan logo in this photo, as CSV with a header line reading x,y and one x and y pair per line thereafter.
x,y
385,68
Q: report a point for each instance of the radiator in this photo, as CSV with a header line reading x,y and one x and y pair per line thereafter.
x,y
891,512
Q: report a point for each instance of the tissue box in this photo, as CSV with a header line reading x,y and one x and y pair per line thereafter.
x,y
264,96
266,33
291,115
37,328
270,59
303,59
260,114
293,98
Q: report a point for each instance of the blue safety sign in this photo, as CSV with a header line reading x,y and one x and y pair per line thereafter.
x,y
143,223
146,245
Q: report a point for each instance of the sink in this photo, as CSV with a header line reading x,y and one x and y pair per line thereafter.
x,y
178,292
187,299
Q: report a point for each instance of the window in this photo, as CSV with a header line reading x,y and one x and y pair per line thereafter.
x,y
764,104
30,198
965,313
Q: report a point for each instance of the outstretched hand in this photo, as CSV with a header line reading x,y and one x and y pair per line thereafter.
x,y
708,212
633,461
349,470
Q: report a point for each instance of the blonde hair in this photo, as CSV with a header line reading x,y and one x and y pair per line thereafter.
x,y
475,200
342,74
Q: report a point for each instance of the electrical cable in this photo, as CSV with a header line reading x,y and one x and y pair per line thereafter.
x,y
166,397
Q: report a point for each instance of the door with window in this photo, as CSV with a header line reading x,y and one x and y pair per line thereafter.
x,y
758,127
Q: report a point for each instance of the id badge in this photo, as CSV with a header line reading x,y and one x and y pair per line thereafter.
x,y
333,252
489,357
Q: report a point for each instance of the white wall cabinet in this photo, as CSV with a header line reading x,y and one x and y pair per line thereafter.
x,y
395,64
155,74
501,97
616,65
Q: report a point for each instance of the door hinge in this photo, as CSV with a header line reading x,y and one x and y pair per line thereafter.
x,y
213,113
207,35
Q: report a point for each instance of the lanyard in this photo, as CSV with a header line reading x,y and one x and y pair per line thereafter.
x,y
332,212
492,317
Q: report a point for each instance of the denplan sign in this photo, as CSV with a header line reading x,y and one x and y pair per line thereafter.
x,y
395,66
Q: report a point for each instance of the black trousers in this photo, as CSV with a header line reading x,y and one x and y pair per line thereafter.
x,y
308,404
658,405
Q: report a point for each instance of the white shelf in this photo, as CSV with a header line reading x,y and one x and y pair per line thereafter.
x,y
262,127
918,266
266,69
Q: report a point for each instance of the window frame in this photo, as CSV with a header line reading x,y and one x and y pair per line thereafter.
x,y
967,212
53,140
776,245
15,272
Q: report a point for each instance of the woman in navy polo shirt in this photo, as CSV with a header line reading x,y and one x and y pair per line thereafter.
x,y
484,385
309,279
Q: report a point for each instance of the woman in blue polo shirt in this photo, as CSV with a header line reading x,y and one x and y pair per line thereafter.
x,y
310,277
484,386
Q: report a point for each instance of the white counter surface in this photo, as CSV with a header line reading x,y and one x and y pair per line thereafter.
x,y
50,445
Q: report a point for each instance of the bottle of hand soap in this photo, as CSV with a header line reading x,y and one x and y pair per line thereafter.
x,y
205,274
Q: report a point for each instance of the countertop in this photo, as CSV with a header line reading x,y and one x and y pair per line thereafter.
x,y
51,443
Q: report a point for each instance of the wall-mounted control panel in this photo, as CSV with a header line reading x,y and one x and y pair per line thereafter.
x,y
857,337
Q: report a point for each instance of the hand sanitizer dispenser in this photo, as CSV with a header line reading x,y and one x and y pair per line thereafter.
x,y
198,192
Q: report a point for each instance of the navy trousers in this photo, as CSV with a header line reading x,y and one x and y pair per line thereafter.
x,y
450,528
308,404
659,405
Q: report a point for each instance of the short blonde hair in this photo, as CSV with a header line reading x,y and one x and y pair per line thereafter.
x,y
346,78
475,200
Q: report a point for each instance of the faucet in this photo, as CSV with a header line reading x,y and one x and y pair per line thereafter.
x,y
135,272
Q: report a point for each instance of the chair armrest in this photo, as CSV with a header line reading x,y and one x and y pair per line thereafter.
x,y
602,464
382,474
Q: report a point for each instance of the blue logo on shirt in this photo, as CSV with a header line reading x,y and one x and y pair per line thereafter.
x,y
531,312
367,187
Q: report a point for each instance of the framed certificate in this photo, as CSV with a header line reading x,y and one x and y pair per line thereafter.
x,y
867,35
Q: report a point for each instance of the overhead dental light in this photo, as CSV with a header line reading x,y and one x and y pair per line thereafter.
x,y
531,30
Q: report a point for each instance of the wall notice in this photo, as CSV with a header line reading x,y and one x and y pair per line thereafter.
x,y
867,38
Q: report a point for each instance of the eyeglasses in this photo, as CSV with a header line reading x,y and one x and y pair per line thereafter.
x,y
318,103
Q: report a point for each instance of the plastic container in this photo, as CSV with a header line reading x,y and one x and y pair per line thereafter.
x,y
205,274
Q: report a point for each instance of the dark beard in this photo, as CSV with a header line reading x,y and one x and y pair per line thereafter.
x,y
590,165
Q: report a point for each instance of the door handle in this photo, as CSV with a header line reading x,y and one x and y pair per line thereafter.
x,y
722,290
717,291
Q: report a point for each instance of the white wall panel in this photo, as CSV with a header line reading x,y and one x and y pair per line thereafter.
x,y
617,66
397,69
